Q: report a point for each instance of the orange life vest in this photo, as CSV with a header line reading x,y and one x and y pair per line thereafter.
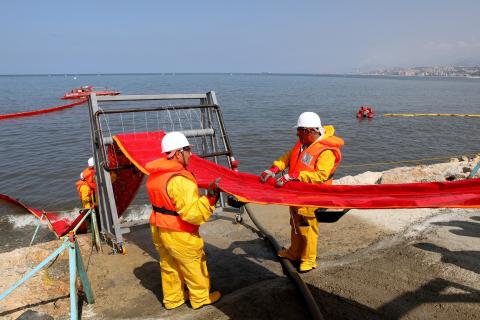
x,y
165,214
81,183
306,160
89,177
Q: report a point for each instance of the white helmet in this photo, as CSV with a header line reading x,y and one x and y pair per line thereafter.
x,y
309,120
174,141
90,162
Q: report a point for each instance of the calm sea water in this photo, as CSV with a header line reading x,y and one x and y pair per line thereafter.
x,y
41,157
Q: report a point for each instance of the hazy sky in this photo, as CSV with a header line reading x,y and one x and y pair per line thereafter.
x,y
235,36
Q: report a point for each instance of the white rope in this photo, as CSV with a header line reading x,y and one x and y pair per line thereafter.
x,y
123,127
134,131
110,136
146,123
172,124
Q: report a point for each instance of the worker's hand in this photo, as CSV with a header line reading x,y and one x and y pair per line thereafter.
x,y
213,192
284,179
269,173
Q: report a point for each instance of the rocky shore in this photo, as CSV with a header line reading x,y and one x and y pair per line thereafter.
x,y
375,264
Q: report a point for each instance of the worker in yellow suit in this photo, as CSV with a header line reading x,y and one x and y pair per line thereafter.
x,y
313,159
178,211
86,186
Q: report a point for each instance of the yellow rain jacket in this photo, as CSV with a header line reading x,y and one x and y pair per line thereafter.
x,y
85,194
325,165
181,195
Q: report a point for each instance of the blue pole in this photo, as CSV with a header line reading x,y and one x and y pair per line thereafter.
x,y
36,230
83,276
73,281
95,234
81,221
35,270
474,171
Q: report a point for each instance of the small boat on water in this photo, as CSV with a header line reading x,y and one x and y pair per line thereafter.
x,y
85,91
365,112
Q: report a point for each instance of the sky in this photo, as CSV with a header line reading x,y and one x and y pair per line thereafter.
x,y
277,36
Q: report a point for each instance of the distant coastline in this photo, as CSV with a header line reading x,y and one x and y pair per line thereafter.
x,y
435,71
464,72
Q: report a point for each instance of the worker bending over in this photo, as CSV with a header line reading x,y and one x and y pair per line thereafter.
x,y
87,187
178,211
313,159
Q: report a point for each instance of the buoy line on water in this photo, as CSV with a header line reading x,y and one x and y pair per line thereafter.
x,y
469,155
431,115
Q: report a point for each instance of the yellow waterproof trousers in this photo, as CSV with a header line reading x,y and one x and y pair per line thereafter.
x,y
304,238
182,262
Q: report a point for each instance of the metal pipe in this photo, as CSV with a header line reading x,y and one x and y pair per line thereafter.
x,y
224,137
144,97
95,231
38,227
213,154
198,132
87,214
73,281
288,267
160,108
474,171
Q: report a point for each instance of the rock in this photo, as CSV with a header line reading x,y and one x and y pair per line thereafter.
x,y
424,173
360,179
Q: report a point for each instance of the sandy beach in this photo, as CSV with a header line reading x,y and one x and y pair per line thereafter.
x,y
375,264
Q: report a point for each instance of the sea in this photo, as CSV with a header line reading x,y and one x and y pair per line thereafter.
x,y
41,156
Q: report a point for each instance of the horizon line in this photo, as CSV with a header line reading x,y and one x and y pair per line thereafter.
x,y
174,73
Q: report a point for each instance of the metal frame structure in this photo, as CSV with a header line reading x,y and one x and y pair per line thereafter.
x,y
111,229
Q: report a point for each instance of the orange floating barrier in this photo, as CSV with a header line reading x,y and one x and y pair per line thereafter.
x,y
141,148
41,111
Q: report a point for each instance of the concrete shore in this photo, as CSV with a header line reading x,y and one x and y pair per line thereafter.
x,y
375,264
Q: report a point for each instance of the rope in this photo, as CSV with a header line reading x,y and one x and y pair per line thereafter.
x,y
409,161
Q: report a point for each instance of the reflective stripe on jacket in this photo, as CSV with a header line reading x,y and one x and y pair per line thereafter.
x,y
306,160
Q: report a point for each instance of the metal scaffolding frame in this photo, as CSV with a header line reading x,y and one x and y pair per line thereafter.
x,y
111,229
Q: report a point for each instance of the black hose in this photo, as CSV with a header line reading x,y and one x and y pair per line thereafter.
x,y
288,267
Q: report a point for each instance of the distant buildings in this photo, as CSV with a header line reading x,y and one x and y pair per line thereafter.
x,y
436,71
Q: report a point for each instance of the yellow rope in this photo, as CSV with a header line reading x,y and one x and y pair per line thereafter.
x,y
409,161
431,115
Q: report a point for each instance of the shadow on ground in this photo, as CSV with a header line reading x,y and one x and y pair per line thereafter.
x,y
464,259
464,228
251,290
432,292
